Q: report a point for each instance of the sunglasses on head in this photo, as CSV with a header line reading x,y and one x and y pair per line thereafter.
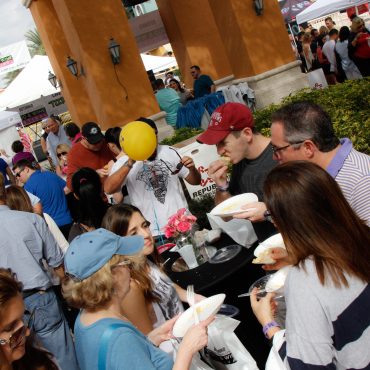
x,y
61,154
16,338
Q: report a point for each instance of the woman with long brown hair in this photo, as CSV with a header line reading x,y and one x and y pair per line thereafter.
x,y
153,297
327,289
18,350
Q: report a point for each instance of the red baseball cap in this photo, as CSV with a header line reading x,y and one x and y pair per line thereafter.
x,y
225,119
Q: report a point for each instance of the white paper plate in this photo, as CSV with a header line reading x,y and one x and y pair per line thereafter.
x,y
232,206
262,251
205,309
277,280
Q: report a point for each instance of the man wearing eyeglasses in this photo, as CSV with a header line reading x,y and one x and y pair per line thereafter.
x,y
232,130
56,136
154,185
24,244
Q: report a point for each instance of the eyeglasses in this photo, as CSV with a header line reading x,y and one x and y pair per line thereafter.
x,y
16,338
61,154
18,174
277,149
179,165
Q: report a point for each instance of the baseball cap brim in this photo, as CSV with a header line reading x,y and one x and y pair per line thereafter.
x,y
130,245
212,137
95,139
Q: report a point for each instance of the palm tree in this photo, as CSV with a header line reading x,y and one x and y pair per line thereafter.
x,y
35,47
34,42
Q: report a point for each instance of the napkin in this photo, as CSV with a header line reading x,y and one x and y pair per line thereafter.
x,y
241,231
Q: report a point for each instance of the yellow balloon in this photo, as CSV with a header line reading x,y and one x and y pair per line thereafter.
x,y
138,140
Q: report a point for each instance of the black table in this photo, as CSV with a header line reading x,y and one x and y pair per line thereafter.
x,y
233,277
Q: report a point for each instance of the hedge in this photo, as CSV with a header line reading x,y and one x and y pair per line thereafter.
x,y
348,105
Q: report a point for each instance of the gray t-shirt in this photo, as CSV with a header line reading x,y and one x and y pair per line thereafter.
x,y
326,327
248,176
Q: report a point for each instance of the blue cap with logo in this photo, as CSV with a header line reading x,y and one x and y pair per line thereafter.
x,y
89,252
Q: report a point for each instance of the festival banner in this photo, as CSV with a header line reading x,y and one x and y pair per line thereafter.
x,y
13,57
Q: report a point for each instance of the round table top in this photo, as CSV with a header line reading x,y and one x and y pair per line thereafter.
x,y
207,274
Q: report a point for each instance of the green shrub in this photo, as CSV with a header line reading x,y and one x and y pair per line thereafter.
x,y
180,135
348,105
199,207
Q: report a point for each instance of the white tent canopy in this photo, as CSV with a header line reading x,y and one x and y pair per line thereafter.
x,y
30,84
8,132
320,8
157,64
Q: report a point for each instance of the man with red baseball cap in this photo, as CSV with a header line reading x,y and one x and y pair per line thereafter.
x,y
238,142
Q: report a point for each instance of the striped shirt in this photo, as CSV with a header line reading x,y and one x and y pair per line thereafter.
x,y
351,170
327,328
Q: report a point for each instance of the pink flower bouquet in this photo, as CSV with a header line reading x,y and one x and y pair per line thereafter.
x,y
180,223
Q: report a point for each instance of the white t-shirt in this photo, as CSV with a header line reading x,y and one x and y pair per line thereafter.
x,y
329,51
154,190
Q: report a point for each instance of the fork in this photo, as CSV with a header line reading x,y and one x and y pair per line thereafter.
x,y
190,295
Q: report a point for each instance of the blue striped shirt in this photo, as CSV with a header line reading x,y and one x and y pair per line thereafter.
x,y
351,170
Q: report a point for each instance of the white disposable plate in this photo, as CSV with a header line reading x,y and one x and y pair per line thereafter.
x,y
261,252
277,280
232,206
205,308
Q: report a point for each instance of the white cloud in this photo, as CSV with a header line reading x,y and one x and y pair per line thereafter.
x,y
15,21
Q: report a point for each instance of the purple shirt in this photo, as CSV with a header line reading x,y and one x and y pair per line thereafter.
x,y
337,162
23,155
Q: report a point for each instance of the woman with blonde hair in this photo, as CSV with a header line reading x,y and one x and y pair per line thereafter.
x,y
327,290
62,151
153,297
97,267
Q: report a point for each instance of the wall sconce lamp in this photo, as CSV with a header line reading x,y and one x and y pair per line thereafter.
x,y
54,81
72,66
114,50
258,6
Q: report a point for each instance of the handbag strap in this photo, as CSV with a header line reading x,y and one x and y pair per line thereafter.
x,y
104,341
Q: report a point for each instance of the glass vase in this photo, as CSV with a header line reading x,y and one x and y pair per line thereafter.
x,y
188,251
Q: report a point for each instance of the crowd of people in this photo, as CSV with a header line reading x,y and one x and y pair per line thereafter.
x,y
171,94
84,256
342,54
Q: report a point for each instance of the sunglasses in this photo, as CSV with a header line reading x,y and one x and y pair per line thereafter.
x,y
18,174
122,263
16,338
179,165
61,154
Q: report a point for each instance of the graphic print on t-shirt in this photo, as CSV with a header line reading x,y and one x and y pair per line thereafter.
x,y
155,176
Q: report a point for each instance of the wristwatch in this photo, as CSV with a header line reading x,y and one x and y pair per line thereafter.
x,y
223,188
267,216
129,164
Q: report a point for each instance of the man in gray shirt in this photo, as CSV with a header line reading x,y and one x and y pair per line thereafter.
x,y
57,135
24,244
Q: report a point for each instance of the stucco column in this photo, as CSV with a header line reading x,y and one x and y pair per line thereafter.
x,y
56,46
195,38
115,95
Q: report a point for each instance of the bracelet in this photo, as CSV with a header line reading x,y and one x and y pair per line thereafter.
x,y
268,326
223,188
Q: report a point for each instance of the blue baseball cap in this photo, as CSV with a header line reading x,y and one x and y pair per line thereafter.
x,y
90,251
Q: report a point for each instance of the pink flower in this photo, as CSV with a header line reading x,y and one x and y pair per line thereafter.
x,y
183,226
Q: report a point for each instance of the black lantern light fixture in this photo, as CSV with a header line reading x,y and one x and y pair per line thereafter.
x,y
258,6
53,80
72,66
114,49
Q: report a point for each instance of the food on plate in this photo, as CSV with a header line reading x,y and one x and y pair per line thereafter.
x,y
263,251
264,258
277,280
229,207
